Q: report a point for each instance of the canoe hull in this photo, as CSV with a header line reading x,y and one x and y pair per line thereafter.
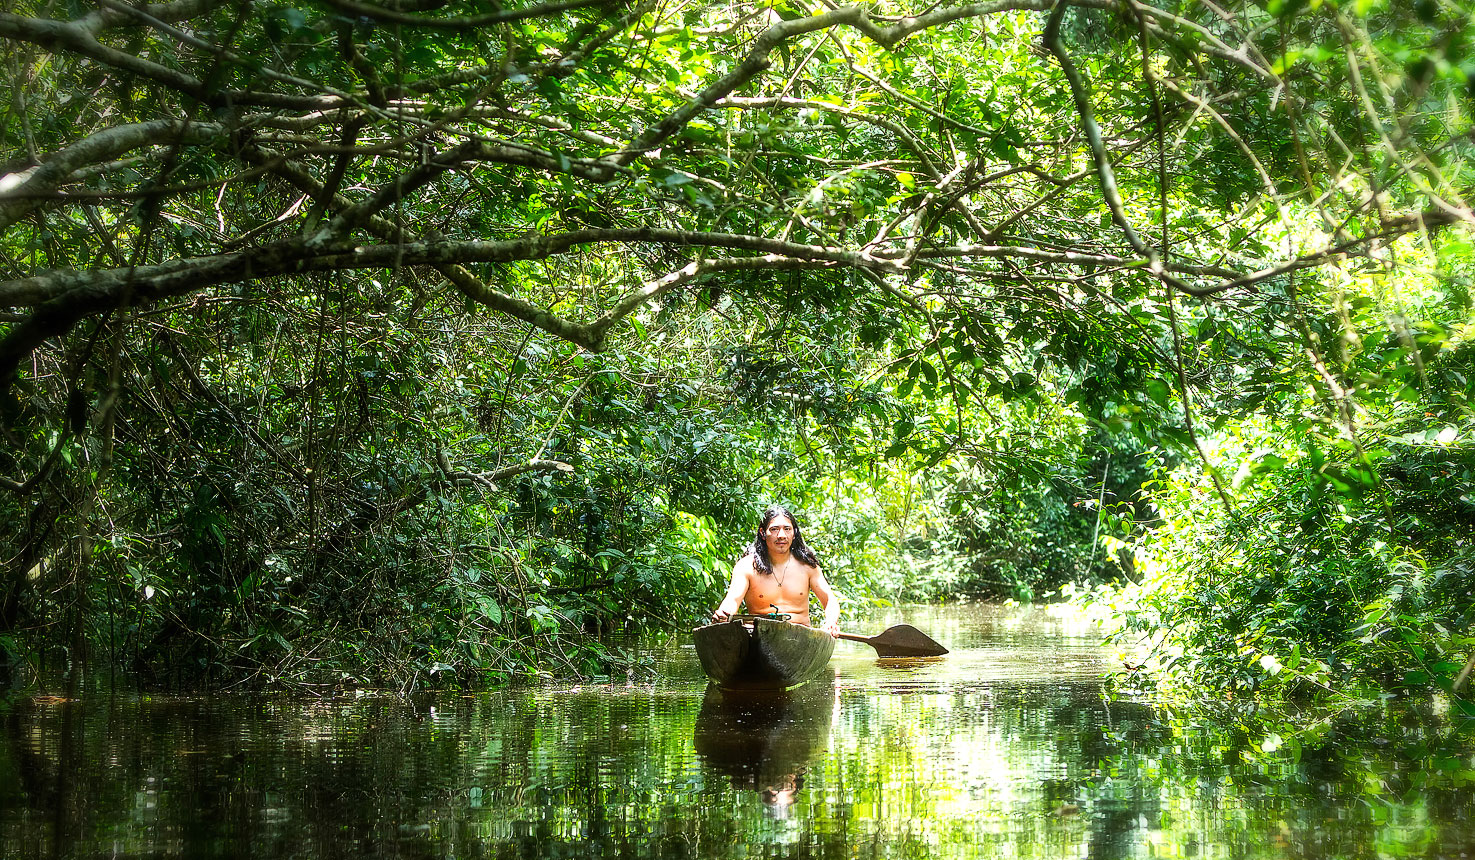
x,y
762,654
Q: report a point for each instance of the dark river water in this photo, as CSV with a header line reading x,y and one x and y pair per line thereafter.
x,y
1009,747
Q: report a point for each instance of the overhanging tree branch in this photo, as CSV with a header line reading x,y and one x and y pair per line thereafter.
x,y
293,257
178,10
1104,172
22,192
489,479
63,37
756,61
470,22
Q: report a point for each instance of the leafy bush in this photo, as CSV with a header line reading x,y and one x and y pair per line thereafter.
x,y
1313,582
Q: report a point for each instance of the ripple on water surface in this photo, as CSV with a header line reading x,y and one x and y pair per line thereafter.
x,y
1006,747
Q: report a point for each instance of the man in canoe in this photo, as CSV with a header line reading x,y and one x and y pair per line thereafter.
x,y
777,573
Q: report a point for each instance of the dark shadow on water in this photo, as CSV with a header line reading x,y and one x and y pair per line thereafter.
x,y
765,742
906,664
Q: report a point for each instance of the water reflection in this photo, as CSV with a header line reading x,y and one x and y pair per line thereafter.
x,y
765,743
1007,747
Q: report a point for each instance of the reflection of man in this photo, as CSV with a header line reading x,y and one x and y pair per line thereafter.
x,y
777,798
766,745
777,573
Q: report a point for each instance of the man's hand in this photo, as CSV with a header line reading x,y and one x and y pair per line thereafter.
x,y
720,615
833,629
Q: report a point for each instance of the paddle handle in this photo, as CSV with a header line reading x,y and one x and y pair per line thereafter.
x,y
854,637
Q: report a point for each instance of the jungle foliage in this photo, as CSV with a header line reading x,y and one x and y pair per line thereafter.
x,y
358,343
1346,560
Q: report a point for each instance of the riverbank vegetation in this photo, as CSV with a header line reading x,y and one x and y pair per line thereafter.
x,y
424,343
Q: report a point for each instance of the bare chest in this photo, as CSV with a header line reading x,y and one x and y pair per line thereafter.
x,y
787,586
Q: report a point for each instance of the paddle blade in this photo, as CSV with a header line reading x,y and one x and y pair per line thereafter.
x,y
904,640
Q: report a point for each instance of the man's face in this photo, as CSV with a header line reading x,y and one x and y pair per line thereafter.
x,y
779,535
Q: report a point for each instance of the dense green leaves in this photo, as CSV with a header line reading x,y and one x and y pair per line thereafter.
x,y
373,342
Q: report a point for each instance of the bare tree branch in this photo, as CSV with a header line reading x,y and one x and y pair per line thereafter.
x,y
20,193
178,10
396,16
488,479
60,36
1104,172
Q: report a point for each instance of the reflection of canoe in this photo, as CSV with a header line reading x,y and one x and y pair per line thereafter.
x,y
765,741
755,653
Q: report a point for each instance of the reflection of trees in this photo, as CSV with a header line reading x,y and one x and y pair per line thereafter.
x,y
987,770
1000,763
41,765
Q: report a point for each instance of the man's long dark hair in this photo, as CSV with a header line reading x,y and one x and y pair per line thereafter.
x,y
798,549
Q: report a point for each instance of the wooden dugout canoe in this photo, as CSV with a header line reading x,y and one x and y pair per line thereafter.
x,y
756,653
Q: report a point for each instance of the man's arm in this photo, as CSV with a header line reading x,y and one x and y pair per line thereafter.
x,y
737,589
828,599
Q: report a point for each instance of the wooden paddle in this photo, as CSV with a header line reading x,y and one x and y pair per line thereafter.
x,y
903,640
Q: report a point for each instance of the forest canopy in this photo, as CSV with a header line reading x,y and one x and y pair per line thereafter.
x,y
355,341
